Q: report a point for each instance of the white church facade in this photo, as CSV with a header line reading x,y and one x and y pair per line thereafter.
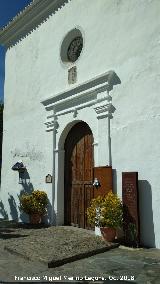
x,y
86,69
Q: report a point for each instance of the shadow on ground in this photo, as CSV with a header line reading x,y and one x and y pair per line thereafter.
x,y
9,234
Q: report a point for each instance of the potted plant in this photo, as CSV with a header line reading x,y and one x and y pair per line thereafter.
x,y
110,214
35,205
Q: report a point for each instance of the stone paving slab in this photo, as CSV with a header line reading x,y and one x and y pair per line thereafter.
x,y
122,262
119,263
55,246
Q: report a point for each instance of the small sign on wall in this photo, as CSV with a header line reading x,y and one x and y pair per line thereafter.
x,y
48,178
72,75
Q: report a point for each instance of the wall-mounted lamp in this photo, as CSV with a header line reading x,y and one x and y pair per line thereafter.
x,y
19,167
96,183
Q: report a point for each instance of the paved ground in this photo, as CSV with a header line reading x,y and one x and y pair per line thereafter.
x,y
53,246
142,265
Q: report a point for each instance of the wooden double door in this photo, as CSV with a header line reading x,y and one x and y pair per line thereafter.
x,y
78,175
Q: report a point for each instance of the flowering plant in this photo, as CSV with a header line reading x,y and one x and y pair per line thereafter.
x,y
106,211
34,203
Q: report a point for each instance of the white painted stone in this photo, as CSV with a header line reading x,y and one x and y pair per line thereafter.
x,y
117,36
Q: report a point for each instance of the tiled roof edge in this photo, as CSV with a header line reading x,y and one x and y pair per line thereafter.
x,y
28,20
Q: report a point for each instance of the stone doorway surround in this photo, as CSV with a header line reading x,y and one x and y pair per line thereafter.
x,y
89,102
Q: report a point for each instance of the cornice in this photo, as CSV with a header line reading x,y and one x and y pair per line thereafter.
x,y
29,19
81,96
97,84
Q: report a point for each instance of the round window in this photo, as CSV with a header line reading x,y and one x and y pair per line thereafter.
x,y
71,46
74,49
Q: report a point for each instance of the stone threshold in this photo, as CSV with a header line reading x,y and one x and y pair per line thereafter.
x,y
54,246
56,263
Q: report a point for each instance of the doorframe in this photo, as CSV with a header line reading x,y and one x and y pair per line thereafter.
x,y
69,104
60,162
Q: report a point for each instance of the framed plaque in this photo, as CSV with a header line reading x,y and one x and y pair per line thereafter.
x,y
48,178
72,75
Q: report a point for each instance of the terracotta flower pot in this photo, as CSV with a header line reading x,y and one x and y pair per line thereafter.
x,y
35,218
108,234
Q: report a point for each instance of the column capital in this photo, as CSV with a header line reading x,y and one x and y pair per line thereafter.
x,y
52,122
104,110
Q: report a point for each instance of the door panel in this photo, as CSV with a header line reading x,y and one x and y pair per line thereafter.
x,y
104,175
78,175
89,194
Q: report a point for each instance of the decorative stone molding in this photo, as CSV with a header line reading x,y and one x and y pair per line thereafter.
x,y
29,19
81,96
75,113
52,123
59,151
104,110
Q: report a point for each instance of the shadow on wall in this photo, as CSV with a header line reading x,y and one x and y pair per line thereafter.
x,y
3,212
27,187
146,214
47,218
13,207
24,179
114,174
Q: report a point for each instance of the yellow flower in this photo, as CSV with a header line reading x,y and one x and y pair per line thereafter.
x,y
110,211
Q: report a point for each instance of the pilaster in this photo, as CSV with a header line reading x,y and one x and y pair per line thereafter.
x,y
104,111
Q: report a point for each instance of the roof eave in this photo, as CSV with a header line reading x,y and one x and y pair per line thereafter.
x,y
28,20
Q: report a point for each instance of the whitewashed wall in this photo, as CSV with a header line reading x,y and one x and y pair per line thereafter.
x,y
118,35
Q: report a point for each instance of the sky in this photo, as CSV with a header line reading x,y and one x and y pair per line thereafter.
x,y
8,9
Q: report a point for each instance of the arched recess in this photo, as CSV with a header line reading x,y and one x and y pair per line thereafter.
x,y
78,163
